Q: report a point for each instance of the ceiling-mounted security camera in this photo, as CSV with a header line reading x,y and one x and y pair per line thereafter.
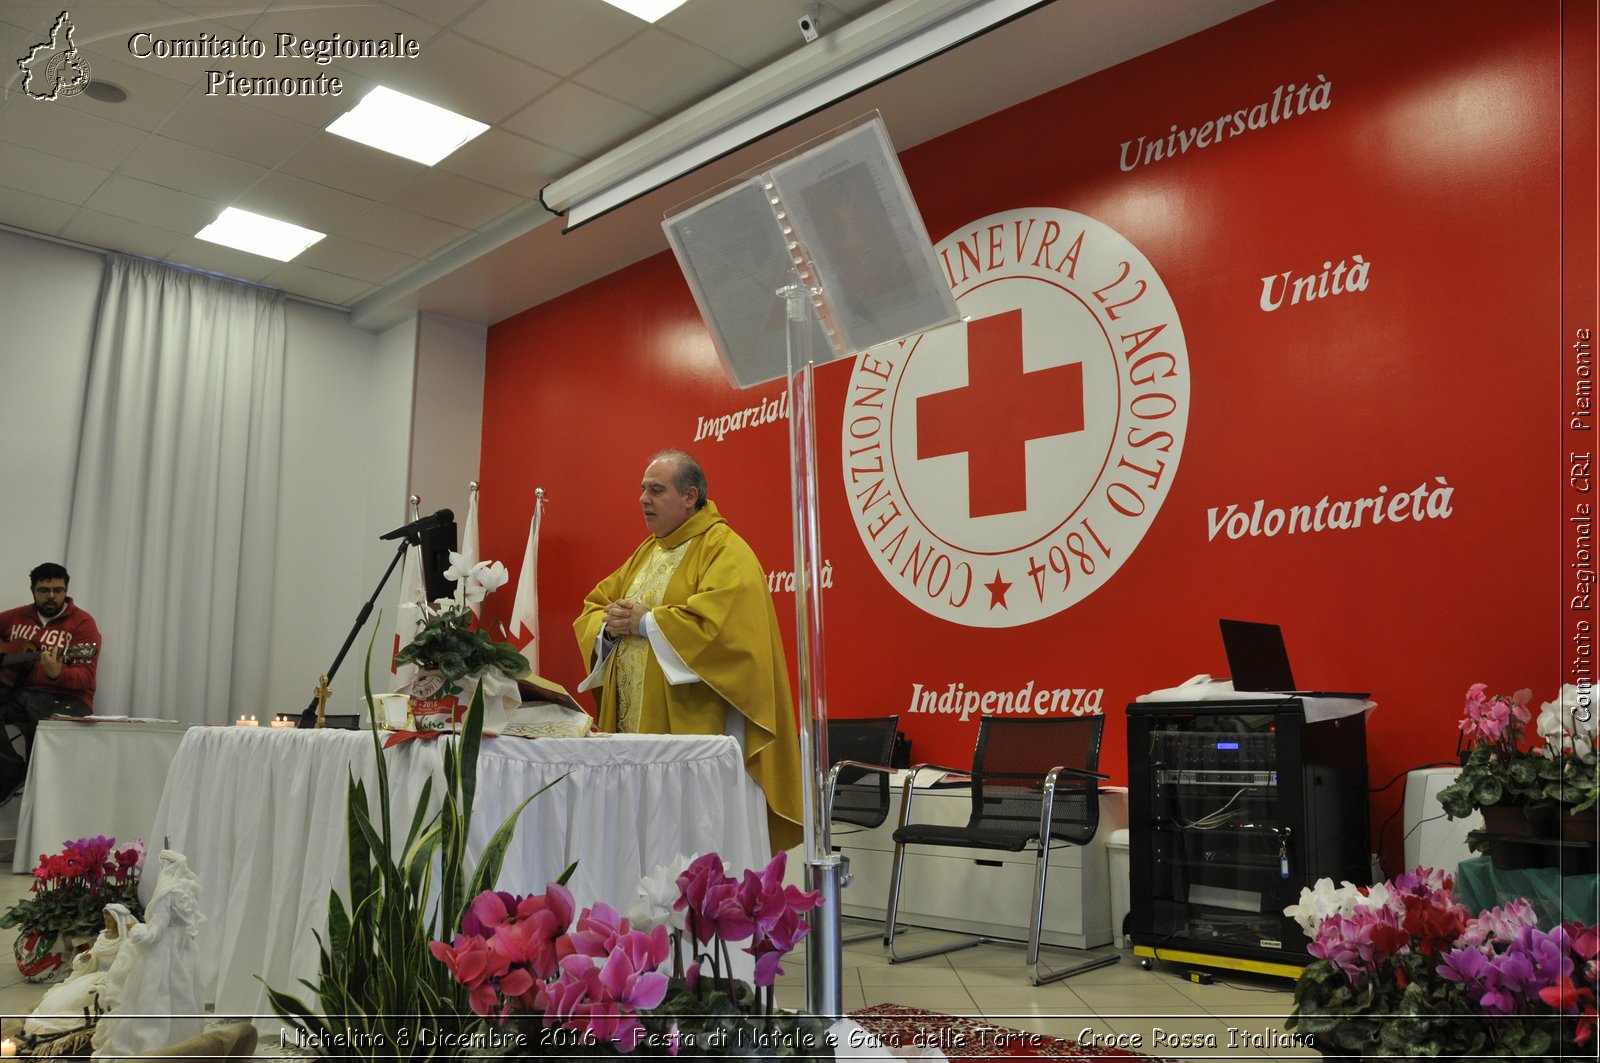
x,y
809,24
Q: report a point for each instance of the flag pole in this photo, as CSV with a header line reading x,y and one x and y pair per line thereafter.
x,y
525,607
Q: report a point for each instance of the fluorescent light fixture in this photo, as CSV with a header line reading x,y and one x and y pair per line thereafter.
x,y
404,125
259,234
878,45
649,10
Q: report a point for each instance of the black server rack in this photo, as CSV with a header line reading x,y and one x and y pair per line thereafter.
x,y
1233,807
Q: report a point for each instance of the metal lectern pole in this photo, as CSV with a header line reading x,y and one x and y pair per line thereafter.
x,y
824,995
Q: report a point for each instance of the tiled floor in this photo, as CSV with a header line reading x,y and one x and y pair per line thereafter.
x,y
17,997
1156,1012
1149,1011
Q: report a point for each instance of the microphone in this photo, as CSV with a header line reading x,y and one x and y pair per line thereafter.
x,y
436,519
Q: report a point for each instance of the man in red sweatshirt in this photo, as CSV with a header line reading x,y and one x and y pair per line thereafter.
x,y
50,653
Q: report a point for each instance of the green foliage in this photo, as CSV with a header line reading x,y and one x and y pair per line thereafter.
x,y
378,986
1577,785
1427,1018
724,1027
71,889
448,644
1489,777
71,911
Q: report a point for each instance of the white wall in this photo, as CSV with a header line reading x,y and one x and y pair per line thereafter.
x,y
346,447
341,448
447,430
389,418
48,295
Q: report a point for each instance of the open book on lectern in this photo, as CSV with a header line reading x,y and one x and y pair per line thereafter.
x,y
836,215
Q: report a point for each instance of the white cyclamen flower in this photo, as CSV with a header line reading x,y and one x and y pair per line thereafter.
x,y
1323,899
658,892
460,567
1568,722
490,575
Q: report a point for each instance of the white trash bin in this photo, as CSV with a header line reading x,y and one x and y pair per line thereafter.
x,y
1117,862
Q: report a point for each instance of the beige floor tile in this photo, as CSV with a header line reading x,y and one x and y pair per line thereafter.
x,y
1011,975
1218,997
995,954
933,972
794,997
1073,1027
1126,972
952,1000
998,1002
1151,998
20,999
866,954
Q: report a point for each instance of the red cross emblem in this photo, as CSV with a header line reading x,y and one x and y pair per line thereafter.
x,y
992,418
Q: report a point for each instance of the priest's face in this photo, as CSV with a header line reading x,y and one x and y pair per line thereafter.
x,y
665,507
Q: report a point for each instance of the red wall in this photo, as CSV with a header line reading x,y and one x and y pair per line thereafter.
x,y
1436,160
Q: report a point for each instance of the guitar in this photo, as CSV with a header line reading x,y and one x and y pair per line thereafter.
x,y
16,658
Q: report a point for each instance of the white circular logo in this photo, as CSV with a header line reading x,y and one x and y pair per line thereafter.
x,y
1001,469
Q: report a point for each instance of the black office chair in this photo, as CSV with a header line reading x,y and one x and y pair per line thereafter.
x,y
858,770
857,793
1031,780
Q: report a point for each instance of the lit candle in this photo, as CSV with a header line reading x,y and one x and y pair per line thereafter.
x,y
282,721
248,721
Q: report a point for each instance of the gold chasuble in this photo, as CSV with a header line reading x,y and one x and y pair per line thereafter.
x,y
708,597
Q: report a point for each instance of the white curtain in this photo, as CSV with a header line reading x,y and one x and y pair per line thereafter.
x,y
174,505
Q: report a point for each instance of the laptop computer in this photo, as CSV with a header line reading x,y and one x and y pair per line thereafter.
x,y
1260,662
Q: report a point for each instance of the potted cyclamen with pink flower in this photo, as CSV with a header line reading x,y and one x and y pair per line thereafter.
x,y
1517,783
659,978
1403,970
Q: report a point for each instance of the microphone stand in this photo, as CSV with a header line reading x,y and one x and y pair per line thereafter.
x,y
311,717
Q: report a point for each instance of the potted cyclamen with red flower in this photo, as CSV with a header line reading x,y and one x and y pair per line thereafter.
x,y
1404,971
547,984
66,909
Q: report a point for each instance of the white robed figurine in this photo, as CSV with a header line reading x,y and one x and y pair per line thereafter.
x,y
62,1007
153,994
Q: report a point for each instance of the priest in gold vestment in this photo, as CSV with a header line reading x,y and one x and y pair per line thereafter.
x,y
685,631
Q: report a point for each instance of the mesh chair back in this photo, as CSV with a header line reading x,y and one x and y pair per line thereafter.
x,y
1008,769
861,797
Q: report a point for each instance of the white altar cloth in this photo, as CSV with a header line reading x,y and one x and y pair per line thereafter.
x,y
92,775
260,813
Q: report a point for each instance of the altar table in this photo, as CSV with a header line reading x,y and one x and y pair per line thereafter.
x,y
260,813
93,775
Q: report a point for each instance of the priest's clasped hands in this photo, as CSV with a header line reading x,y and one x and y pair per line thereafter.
x,y
623,617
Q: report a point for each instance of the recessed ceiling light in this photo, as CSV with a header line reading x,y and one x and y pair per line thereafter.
x,y
649,10
259,235
404,125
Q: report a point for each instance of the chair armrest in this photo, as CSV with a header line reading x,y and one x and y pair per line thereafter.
x,y
882,769
911,785
930,766
1079,772
833,778
1047,808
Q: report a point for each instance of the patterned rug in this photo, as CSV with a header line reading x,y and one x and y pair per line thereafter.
x,y
965,1040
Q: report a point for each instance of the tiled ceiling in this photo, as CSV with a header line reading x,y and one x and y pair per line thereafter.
x,y
560,82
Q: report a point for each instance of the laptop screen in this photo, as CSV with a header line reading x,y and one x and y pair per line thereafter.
x,y
1257,658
